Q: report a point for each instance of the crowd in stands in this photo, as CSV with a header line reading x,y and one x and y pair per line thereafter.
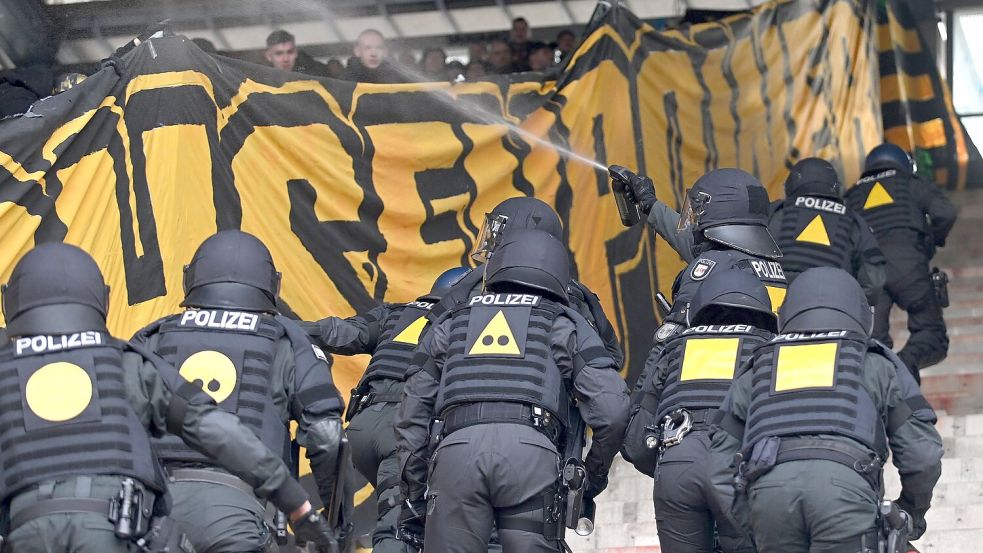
x,y
373,61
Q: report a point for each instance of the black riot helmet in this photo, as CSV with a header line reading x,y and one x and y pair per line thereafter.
x,y
232,270
446,280
813,177
732,297
888,156
530,259
55,288
515,213
825,299
729,207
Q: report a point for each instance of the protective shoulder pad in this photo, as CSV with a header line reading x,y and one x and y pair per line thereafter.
x,y
911,393
146,332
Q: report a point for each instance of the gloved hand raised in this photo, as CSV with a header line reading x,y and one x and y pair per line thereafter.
x,y
642,188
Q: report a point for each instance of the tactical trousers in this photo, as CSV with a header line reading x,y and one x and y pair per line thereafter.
x,y
909,285
373,444
811,507
690,501
69,532
477,474
221,519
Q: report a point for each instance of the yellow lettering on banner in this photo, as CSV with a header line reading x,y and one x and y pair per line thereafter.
x,y
814,232
496,338
402,151
59,391
777,296
805,366
213,371
710,359
269,158
411,334
612,110
877,197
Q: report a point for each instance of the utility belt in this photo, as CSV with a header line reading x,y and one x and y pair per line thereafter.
x,y
131,511
675,426
224,479
768,453
471,414
361,400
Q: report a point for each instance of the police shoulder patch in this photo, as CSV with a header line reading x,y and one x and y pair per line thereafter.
x,y
702,269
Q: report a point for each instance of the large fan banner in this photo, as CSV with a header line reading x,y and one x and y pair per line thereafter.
x,y
365,193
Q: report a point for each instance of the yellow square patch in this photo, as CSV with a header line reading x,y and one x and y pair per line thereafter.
x,y
710,359
806,366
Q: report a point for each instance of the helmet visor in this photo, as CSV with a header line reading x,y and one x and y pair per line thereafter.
x,y
693,207
489,237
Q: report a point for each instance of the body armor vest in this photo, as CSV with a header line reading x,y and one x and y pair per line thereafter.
x,y
768,271
813,232
500,352
398,339
886,202
703,361
65,413
812,384
230,353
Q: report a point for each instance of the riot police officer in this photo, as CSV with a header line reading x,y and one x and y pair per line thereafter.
x,y
390,332
724,225
814,228
256,364
78,471
729,317
814,419
528,213
500,373
910,218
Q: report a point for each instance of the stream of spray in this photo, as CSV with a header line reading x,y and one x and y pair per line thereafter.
x,y
489,118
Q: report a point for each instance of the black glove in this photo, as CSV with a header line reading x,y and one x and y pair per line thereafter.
x,y
314,528
412,519
595,485
644,191
917,518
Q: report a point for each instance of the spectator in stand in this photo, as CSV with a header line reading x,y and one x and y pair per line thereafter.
x,y
433,64
335,68
477,52
566,41
499,57
407,58
540,56
369,64
282,53
519,44
455,71
475,71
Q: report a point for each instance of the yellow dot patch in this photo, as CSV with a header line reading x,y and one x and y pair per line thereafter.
x,y
710,359
496,339
58,392
805,366
213,371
